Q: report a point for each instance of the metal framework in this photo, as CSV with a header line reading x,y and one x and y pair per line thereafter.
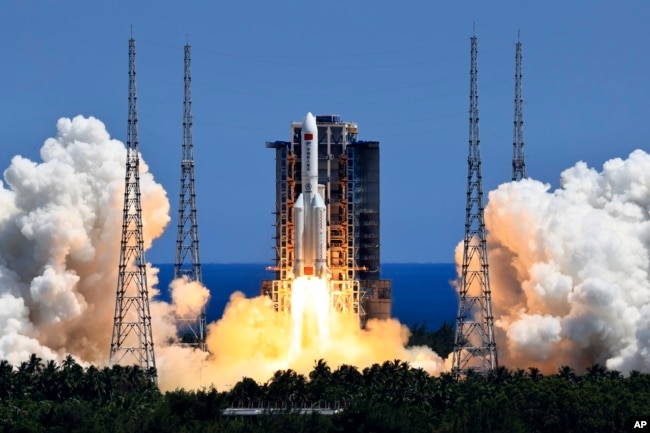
x,y
349,173
187,262
474,345
352,227
132,335
518,161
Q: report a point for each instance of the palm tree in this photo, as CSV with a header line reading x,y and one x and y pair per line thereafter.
x,y
68,362
596,372
244,391
615,375
500,376
93,386
393,382
347,374
49,383
446,392
6,379
534,374
35,364
71,376
320,380
567,373
321,371
347,382
518,375
287,384
26,377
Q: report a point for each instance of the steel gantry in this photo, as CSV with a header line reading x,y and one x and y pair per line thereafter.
x,y
518,161
188,263
474,344
132,336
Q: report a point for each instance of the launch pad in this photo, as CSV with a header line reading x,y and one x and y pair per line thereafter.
x,y
347,176
345,296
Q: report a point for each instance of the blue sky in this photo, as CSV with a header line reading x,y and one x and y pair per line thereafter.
x,y
398,69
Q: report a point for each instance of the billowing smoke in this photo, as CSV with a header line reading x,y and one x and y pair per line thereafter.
x,y
569,268
188,297
60,230
252,340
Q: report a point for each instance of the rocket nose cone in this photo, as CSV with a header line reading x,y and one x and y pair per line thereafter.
x,y
309,124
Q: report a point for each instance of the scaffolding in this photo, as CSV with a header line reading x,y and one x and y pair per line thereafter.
x,y
349,174
345,296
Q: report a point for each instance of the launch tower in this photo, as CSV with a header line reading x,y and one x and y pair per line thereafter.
x,y
348,172
187,262
518,162
474,345
132,336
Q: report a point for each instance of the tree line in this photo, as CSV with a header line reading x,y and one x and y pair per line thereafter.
x,y
39,396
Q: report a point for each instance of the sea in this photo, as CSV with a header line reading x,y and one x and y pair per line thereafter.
x,y
423,293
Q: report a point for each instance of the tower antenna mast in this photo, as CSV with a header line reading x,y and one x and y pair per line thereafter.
x,y
474,344
132,335
188,263
518,161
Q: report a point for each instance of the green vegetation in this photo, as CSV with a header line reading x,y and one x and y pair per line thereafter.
x,y
441,341
391,397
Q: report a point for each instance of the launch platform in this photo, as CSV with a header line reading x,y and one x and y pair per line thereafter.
x,y
348,184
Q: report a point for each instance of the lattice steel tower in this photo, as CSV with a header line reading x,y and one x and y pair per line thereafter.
x,y
474,345
132,334
187,262
518,161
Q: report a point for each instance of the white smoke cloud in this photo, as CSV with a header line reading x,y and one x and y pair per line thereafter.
x,y
60,228
569,268
60,232
569,271
188,297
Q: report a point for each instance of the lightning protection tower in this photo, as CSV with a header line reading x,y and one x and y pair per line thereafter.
x,y
132,336
518,162
474,345
187,262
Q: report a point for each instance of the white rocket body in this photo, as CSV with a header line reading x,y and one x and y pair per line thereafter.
x,y
310,213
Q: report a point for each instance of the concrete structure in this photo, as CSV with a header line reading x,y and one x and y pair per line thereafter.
x,y
348,175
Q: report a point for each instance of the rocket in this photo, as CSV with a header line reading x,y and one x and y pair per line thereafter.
x,y
310,213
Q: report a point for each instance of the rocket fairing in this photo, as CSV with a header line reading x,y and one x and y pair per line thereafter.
x,y
310,212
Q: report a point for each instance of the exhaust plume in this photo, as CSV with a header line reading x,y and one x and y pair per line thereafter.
x,y
60,231
569,268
